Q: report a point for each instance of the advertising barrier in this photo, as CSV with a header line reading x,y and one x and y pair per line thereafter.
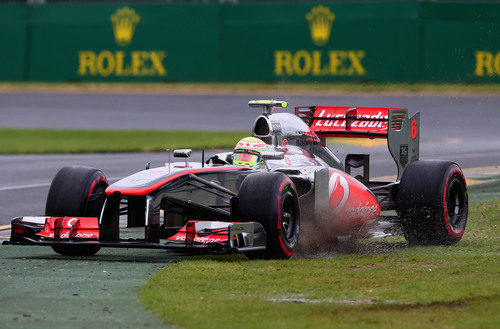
x,y
386,41
461,42
103,42
13,37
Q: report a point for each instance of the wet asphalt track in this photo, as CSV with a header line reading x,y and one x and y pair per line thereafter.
x,y
461,129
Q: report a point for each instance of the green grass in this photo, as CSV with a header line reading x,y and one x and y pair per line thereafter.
x,y
383,284
22,141
245,87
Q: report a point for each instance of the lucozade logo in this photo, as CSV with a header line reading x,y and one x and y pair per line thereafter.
x,y
122,63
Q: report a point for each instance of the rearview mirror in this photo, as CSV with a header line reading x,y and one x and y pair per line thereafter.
x,y
273,155
184,153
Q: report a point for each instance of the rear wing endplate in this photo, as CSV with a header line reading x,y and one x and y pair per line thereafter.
x,y
402,133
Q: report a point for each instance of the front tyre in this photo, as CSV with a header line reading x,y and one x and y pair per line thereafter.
x,y
79,192
433,203
271,200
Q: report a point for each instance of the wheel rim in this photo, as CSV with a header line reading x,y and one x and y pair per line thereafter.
x,y
455,204
95,200
288,217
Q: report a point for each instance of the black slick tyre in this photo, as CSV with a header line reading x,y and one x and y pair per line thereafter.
x,y
433,203
76,191
271,199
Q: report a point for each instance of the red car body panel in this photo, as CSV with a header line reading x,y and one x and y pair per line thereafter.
x,y
71,228
189,234
350,203
342,121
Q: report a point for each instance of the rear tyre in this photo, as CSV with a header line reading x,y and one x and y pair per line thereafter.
x,y
271,199
433,203
79,192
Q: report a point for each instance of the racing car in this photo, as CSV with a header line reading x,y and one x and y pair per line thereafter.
x,y
222,206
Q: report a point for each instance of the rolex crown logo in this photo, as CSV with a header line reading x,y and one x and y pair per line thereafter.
x,y
320,24
124,21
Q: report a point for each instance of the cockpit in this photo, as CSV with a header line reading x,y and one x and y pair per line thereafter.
x,y
287,131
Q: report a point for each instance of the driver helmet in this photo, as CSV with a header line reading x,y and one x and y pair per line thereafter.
x,y
247,152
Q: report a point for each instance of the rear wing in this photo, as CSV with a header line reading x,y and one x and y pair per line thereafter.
x,y
402,133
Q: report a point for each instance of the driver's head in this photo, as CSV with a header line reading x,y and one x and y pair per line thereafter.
x,y
248,152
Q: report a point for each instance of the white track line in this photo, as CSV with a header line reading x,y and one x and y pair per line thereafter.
x,y
22,187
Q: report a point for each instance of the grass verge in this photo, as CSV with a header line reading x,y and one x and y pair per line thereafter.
x,y
22,141
246,87
384,284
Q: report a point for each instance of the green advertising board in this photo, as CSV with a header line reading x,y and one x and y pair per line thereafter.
x,y
461,42
103,42
13,33
383,41
321,42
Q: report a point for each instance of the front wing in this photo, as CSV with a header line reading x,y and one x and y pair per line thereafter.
x,y
195,236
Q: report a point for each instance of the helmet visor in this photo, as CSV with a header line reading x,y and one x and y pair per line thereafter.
x,y
246,157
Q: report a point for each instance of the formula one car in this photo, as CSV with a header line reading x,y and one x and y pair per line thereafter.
x,y
219,206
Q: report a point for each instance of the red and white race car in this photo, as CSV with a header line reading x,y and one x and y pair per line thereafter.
x,y
219,206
